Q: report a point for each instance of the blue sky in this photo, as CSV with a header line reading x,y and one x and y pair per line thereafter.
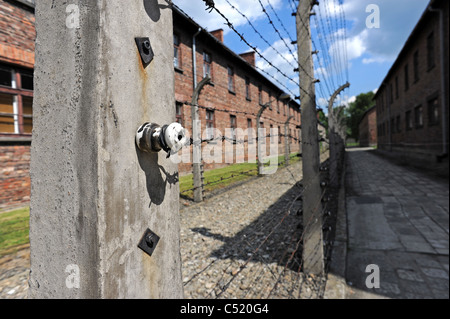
x,y
369,52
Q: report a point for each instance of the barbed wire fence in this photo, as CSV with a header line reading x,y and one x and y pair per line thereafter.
x,y
274,247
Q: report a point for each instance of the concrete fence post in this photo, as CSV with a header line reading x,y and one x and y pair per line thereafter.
x,y
334,136
313,257
197,166
287,140
259,138
94,193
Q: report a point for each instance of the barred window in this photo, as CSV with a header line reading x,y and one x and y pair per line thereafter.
x,y
433,111
230,79
418,113
207,65
176,51
16,100
209,124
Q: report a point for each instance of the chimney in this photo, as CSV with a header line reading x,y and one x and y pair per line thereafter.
x,y
249,57
218,34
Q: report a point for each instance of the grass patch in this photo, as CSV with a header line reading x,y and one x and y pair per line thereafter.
x,y
14,230
226,176
356,144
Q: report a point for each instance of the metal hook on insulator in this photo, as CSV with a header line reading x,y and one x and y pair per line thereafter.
x,y
152,138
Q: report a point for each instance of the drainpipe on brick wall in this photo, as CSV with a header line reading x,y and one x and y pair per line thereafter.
x,y
194,60
443,85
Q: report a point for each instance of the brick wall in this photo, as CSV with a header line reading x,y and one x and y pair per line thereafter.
x,y
17,49
17,36
395,100
217,95
368,129
14,175
18,33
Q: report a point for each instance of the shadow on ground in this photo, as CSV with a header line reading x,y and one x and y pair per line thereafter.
x,y
276,236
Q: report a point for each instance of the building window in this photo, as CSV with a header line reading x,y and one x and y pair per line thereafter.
x,y
416,66
430,51
418,115
272,135
284,109
408,121
179,112
209,124
247,89
260,97
406,78
398,124
233,126
207,65
279,135
250,131
176,51
290,136
278,107
16,100
230,79
433,111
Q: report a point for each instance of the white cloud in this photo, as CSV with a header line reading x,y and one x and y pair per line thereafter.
x,y
397,19
323,103
321,72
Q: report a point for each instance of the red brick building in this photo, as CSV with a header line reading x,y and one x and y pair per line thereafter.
x,y
231,101
368,128
412,101
17,35
236,94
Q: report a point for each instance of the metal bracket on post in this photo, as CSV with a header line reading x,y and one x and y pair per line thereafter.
x,y
148,242
145,50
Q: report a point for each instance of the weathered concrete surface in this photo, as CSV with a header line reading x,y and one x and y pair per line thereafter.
x,y
398,219
93,193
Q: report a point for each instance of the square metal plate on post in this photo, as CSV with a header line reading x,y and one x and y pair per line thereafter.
x,y
149,242
145,50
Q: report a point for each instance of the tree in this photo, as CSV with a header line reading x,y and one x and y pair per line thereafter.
x,y
355,111
324,120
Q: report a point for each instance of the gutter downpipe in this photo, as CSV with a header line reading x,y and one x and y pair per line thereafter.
x,y
443,86
194,62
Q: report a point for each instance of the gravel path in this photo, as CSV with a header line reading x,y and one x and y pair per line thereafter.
x,y
242,243
14,270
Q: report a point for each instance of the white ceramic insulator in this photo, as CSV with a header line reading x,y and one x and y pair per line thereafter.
x,y
175,137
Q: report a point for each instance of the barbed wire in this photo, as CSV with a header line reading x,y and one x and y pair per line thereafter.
x,y
277,31
251,247
211,6
259,33
273,224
